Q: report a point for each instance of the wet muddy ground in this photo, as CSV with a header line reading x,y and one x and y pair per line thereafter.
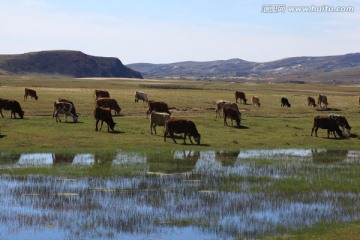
x,y
179,195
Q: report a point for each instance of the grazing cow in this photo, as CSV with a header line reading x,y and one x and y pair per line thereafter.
x,y
326,123
179,125
240,95
64,108
141,96
104,114
221,104
101,94
285,102
157,119
311,102
322,99
256,101
158,107
109,103
342,122
31,93
232,114
11,105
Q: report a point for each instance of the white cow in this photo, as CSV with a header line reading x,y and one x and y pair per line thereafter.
x,y
64,108
158,119
141,96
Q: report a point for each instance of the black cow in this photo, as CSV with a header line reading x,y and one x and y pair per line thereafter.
x,y
326,123
179,125
285,102
11,105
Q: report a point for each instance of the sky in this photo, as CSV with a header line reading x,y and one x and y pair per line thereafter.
x,y
168,31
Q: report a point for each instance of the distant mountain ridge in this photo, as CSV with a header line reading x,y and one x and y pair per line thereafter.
x,y
295,68
69,63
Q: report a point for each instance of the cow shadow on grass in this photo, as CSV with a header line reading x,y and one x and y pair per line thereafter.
x,y
238,127
328,110
353,135
2,135
116,132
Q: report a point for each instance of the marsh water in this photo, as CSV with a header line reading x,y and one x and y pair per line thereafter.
x,y
179,195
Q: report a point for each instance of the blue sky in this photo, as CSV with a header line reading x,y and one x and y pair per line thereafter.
x,y
163,31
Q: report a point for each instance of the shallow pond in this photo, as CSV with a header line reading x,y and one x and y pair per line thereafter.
x,y
178,195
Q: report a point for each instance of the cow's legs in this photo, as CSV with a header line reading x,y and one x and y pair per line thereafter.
x,y
96,126
225,123
101,124
190,140
1,113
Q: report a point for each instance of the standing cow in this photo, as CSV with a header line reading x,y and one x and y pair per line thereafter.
x,y
158,107
256,101
101,94
11,105
311,102
240,95
141,96
157,119
65,108
31,93
104,114
221,104
109,103
179,125
322,99
326,123
342,122
232,114
285,102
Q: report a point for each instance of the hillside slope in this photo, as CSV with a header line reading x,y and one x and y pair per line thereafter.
x,y
69,63
293,69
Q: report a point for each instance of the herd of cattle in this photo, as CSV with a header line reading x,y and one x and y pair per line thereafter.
x,y
160,114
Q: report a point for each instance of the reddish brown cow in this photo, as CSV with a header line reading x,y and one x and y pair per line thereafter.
x,y
179,125
311,102
104,114
11,105
326,123
158,107
232,114
101,94
240,95
109,103
31,93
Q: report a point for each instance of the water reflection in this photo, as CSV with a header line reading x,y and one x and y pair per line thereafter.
x,y
217,195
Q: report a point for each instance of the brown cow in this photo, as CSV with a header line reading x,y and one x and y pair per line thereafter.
x,y
232,114
11,105
221,104
326,123
240,95
104,114
158,107
179,125
256,101
311,102
101,94
322,99
31,93
109,103
64,108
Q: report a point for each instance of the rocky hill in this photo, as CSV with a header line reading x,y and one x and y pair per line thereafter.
x,y
342,68
68,63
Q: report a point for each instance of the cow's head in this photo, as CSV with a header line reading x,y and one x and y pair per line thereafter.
x,y
21,114
112,126
75,117
245,99
197,138
36,98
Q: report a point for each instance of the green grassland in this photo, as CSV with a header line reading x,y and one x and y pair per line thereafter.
x,y
269,126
